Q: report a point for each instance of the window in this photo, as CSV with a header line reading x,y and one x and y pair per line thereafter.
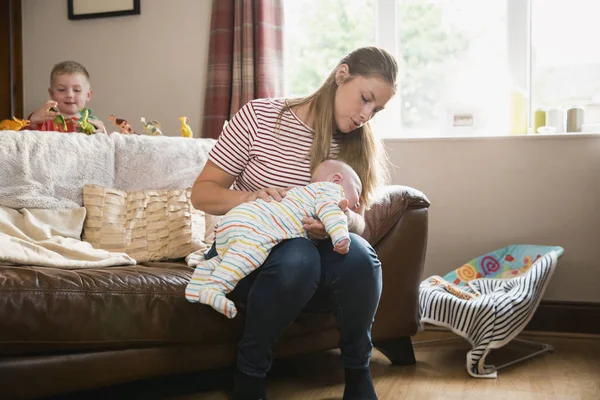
x,y
318,34
566,61
455,69
465,64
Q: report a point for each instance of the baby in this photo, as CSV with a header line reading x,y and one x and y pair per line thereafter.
x,y
248,232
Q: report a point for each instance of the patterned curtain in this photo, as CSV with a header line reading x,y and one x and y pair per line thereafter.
x,y
245,58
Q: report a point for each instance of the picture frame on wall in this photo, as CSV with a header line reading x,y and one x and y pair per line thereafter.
x,y
87,9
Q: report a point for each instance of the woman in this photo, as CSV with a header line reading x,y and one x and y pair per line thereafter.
x,y
272,144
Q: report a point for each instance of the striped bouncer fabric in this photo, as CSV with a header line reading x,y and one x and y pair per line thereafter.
x,y
489,300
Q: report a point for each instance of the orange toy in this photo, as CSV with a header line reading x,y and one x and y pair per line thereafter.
x,y
14,124
123,125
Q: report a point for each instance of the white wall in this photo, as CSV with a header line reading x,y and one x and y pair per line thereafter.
x,y
151,65
487,193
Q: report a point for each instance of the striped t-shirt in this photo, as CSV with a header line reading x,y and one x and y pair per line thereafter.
x,y
261,153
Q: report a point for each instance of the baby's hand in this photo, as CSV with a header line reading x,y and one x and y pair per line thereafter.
x,y
342,247
44,114
343,204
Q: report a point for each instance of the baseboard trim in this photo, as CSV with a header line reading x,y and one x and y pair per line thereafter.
x,y
566,316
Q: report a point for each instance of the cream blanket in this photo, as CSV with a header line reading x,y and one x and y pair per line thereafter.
x,y
49,169
51,238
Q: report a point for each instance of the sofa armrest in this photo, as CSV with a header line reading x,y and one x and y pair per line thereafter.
x,y
387,207
397,226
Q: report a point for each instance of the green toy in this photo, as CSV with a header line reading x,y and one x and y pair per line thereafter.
x,y
151,128
83,123
60,119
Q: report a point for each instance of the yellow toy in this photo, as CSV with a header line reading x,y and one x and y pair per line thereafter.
x,y
14,124
186,130
151,128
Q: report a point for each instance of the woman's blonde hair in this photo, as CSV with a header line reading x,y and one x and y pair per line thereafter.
x,y
359,148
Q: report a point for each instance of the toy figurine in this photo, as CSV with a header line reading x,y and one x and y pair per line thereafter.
x,y
14,124
83,122
123,125
59,119
151,128
186,130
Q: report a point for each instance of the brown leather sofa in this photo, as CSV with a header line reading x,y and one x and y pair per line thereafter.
x,y
68,330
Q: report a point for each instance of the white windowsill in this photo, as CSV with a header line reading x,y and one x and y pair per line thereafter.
x,y
574,135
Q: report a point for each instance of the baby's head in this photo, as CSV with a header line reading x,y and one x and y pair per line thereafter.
x,y
70,87
341,173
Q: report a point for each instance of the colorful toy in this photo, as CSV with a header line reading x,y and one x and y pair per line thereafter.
x,y
151,128
123,125
186,130
60,119
83,122
14,124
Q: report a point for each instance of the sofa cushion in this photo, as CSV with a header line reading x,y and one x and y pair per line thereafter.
x,y
47,310
148,225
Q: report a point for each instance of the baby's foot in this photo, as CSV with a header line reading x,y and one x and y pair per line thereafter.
x,y
217,300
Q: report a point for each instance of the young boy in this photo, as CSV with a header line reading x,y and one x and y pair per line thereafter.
x,y
70,91
248,232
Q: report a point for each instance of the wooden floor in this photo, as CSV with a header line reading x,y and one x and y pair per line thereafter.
x,y
571,372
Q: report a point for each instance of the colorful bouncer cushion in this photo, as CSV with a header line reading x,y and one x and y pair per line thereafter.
x,y
504,263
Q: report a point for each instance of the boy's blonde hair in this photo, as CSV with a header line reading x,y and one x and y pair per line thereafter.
x,y
68,68
359,148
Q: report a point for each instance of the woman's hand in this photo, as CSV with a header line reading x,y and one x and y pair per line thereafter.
x,y
315,228
266,194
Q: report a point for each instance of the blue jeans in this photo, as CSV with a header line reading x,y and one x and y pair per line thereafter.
x,y
303,275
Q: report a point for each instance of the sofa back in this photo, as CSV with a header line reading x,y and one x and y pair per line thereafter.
x,y
49,169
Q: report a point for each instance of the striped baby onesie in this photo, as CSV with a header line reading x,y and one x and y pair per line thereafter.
x,y
248,232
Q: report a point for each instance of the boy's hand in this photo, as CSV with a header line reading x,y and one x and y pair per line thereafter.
x,y
100,128
342,247
44,114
